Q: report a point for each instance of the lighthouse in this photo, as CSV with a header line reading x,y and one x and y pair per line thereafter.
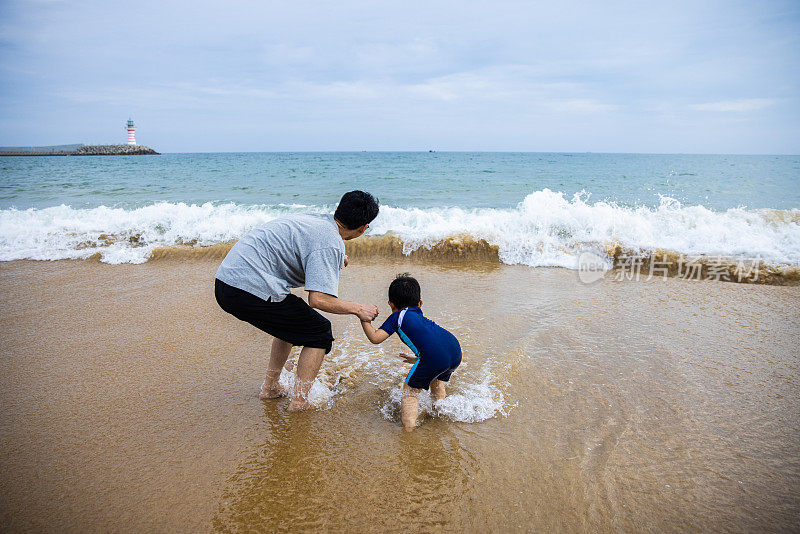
x,y
131,132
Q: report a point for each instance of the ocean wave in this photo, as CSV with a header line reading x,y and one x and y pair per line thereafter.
x,y
545,229
118,235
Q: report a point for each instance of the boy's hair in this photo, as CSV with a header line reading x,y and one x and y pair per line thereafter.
x,y
356,209
404,291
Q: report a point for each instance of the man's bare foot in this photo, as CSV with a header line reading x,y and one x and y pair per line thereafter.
x,y
273,391
300,392
299,405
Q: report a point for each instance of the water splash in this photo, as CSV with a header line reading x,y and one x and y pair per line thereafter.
x,y
466,402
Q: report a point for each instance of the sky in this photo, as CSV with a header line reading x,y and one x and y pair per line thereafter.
x,y
652,77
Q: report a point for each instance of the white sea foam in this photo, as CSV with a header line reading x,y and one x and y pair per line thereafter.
x,y
545,229
473,403
320,395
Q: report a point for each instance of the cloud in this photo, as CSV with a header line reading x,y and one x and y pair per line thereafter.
x,y
742,105
506,84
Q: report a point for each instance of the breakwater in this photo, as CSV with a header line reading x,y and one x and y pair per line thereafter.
x,y
79,150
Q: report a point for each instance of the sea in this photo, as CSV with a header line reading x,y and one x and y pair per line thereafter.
x,y
535,209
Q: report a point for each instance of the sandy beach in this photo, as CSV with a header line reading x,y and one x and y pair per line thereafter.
x,y
129,403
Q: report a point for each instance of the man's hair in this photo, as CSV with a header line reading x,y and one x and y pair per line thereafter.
x,y
404,291
356,209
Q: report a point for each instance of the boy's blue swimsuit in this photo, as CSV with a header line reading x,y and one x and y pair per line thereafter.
x,y
438,352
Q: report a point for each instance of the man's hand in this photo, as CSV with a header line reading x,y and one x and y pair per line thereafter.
x,y
407,357
346,260
367,313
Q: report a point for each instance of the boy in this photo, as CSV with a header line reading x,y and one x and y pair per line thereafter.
x,y
436,351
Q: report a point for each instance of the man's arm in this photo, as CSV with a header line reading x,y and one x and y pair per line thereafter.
x,y
331,304
376,336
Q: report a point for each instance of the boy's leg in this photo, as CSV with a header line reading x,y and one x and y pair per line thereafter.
x,y
437,390
409,407
307,368
278,355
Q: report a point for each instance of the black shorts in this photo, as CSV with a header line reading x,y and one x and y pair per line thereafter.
x,y
421,376
291,320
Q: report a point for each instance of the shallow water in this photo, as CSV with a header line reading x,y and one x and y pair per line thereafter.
x,y
129,402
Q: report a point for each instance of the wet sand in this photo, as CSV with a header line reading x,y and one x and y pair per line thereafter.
x,y
129,403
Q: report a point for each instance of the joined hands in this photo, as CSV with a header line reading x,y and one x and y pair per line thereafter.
x,y
367,313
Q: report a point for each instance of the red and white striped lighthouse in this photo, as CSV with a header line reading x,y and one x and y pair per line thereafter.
x,y
131,132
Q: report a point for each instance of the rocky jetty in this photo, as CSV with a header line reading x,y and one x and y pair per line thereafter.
x,y
114,150
78,150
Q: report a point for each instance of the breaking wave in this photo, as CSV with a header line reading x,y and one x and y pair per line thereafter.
x,y
545,229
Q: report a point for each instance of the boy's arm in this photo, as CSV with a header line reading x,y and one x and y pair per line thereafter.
x,y
376,336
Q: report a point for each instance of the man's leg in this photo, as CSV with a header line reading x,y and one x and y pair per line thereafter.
x,y
409,407
271,388
437,390
307,368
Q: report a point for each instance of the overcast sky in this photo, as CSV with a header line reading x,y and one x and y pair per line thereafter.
x,y
708,77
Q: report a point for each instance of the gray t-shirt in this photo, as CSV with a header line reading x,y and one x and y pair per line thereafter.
x,y
289,252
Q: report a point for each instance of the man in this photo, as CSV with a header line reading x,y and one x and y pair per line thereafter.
x,y
254,280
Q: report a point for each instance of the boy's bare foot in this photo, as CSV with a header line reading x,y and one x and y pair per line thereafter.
x,y
409,407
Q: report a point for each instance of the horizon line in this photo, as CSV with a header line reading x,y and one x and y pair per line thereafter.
x,y
481,152
421,151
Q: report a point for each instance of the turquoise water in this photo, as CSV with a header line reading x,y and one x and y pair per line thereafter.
x,y
469,180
